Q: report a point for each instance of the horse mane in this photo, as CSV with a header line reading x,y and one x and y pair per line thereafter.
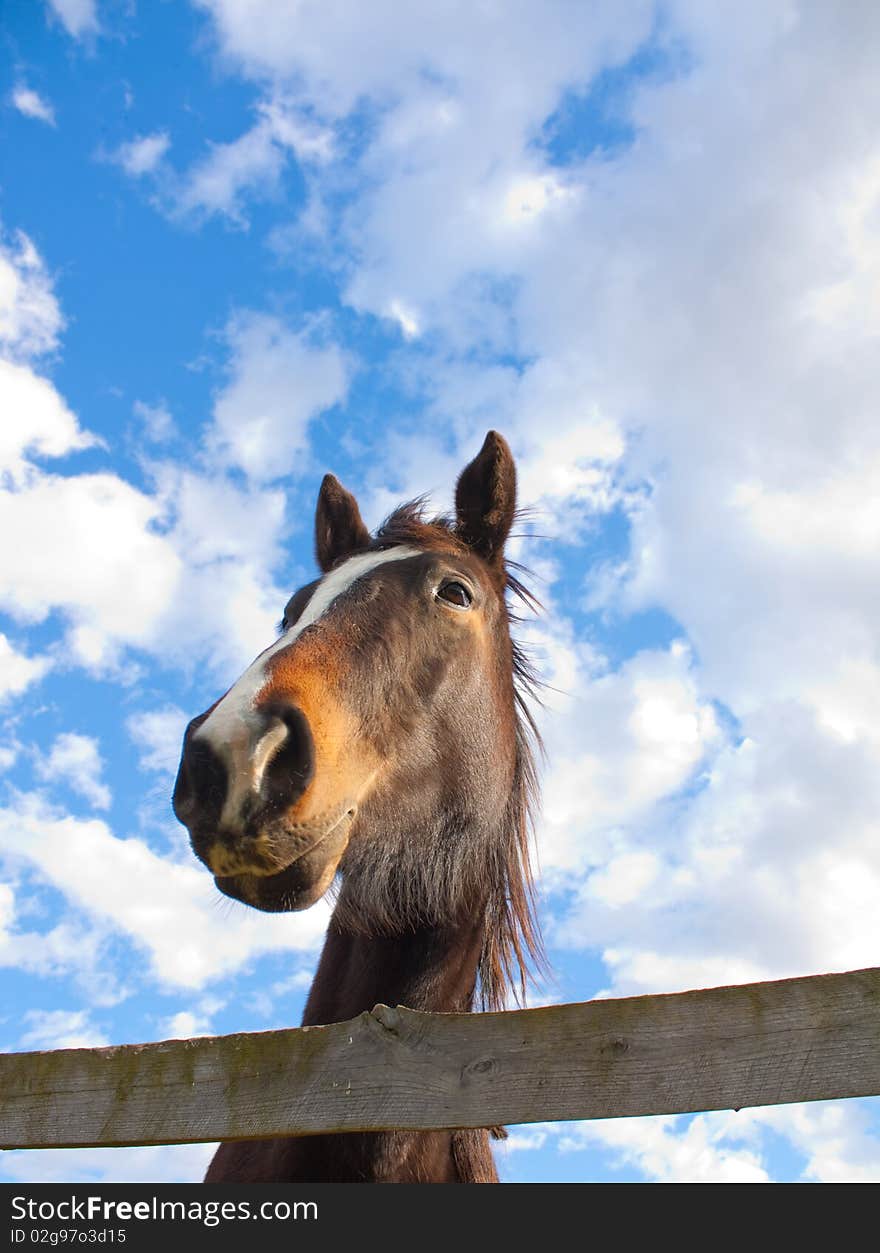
x,y
513,950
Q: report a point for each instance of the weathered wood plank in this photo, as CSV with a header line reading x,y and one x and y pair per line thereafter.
x,y
805,1039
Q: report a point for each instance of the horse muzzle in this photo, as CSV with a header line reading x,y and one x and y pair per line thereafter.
x,y
302,881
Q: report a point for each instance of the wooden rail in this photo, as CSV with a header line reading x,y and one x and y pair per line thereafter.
x,y
805,1039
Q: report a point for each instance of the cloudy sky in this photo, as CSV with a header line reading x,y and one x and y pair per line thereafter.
x,y
243,243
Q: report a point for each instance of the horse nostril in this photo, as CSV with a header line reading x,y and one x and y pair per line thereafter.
x,y
200,788
290,763
258,770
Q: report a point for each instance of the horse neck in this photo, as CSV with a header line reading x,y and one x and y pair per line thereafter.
x,y
430,968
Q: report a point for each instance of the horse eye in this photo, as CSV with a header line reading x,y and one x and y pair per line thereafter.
x,y
455,593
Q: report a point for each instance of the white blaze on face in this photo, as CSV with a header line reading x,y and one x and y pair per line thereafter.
x,y
233,725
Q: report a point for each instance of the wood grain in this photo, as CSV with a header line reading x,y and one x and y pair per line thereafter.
x,y
809,1039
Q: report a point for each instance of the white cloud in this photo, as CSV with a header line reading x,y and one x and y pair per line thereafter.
x,y
411,50
406,318
769,558
110,602
835,1140
529,197
279,381
79,17
216,183
297,129
185,1025
144,154
30,319
7,907
158,733
169,910
271,1002
76,760
157,421
111,557
569,463
850,302
523,1139
170,1163
453,128
36,422
182,574
60,1029
708,1150
624,878
769,871
17,670
838,1139
217,521
32,104
9,755
70,949
228,538
253,164
618,744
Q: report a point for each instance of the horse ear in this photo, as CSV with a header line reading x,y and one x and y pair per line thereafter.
x,y
485,499
339,528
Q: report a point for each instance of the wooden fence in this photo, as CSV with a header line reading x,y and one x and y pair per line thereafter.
x,y
808,1039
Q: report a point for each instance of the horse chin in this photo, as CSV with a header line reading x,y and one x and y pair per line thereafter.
x,y
298,885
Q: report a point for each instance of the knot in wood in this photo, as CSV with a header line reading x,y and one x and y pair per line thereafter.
x,y
615,1045
480,1068
387,1017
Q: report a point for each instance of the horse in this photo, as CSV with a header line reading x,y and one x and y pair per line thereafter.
x,y
384,744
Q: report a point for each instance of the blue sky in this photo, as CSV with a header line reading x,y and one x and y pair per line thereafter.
x,y
244,244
